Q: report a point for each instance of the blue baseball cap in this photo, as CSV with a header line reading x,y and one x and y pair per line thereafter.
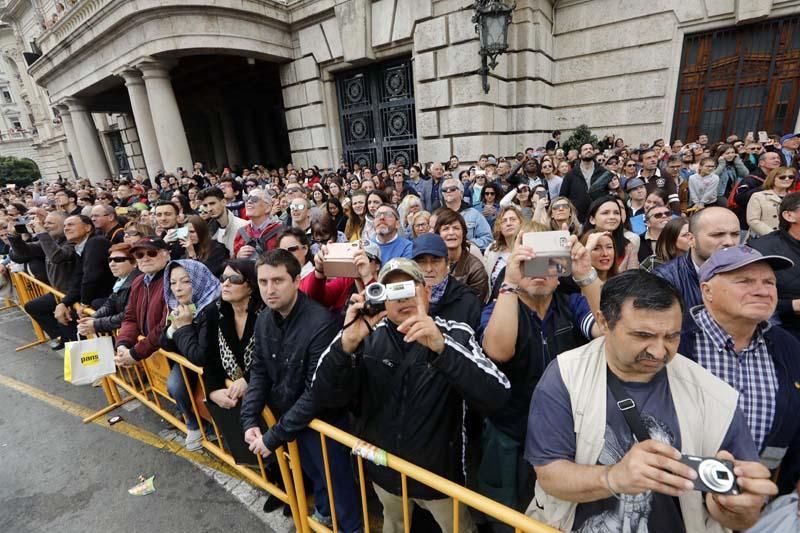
x,y
429,244
789,136
736,257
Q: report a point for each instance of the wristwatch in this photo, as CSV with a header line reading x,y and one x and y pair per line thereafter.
x,y
588,280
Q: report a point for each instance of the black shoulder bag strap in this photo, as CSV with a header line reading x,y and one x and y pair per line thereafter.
x,y
628,407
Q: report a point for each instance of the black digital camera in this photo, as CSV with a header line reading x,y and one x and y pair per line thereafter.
x,y
713,475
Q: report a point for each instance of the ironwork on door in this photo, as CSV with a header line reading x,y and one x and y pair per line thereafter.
x,y
121,158
376,108
740,79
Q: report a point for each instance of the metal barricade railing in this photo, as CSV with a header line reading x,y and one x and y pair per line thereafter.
x,y
459,494
29,288
147,382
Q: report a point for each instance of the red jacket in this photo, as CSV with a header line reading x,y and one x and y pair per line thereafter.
x,y
270,232
145,314
333,293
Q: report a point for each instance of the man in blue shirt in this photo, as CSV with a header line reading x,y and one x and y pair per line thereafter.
x,y
528,325
387,225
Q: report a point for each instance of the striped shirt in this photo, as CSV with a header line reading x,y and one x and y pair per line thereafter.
x,y
751,371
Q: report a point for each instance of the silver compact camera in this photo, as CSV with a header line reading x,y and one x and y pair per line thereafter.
x,y
377,294
713,475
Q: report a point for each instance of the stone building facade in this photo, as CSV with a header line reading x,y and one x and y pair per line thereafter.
x,y
144,85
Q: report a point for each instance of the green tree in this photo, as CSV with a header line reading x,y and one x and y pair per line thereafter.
x,y
19,171
581,135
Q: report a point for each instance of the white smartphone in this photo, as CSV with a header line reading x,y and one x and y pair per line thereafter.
x,y
552,251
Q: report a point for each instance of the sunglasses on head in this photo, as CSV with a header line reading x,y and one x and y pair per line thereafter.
x,y
148,253
118,259
235,279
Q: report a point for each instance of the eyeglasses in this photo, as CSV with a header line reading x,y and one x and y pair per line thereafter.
x,y
558,207
131,233
252,199
449,189
235,279
786,177
148,253
384,214
118,259
297,207
293,249
422,225
630,164
660,215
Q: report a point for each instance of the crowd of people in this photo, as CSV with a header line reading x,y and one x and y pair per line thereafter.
x,y
683,297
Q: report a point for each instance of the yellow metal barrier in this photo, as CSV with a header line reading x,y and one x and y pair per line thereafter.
x,y
29,288
146,382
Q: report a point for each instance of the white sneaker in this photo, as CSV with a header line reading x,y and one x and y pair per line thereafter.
x,y
194,440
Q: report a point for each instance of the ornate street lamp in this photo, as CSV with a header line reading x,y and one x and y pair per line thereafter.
x,y
491,19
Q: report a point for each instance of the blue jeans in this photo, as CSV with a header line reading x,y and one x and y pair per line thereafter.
x,y
177,389
348,509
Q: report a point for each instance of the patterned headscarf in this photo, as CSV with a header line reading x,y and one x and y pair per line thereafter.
x,y
205,286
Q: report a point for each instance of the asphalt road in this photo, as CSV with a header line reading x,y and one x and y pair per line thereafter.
x,y
57,474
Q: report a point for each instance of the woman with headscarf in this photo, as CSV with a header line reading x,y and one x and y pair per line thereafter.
x,y
190,290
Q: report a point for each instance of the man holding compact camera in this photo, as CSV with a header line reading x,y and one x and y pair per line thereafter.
x,y
408,375
637,434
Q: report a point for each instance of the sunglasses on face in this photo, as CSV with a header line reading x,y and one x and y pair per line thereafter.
x,y
383,215
449,189
558,207
630,164
663,214
131,233
297,207
118,260
252,199
786,177
148,253
293,249
235,279
489,193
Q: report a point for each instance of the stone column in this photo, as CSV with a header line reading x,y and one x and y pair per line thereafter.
x,y
217,140
144,120
94,160
167,122
231,140
72,145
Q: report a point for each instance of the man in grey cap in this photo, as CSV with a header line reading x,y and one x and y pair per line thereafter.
x,y
408,375
637,193
789,145
730,336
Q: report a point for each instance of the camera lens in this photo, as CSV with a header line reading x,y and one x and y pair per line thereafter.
x,y
376,292
716,476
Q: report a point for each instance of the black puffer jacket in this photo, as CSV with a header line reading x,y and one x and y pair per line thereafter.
x,y
458,303
109,316
409,400
284,360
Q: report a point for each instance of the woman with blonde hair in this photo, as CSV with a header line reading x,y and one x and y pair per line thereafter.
x,y
409,205
762,209
137,230
561,211
506,226
419,222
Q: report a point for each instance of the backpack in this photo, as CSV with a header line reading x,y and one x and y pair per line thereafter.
x,y
732,203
